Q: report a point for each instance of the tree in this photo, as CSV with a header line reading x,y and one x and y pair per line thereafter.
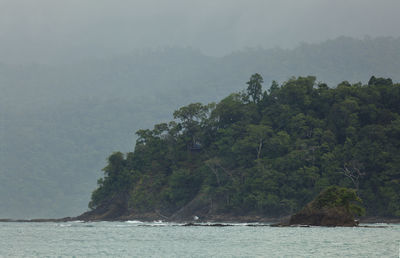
x,y
268,153
192,116
254,90
116,163
256,138
352,170
379,81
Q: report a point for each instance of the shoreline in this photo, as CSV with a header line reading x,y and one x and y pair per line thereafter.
x,y
215,220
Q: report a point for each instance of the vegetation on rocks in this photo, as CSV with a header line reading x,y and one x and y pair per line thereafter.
x,y
266,152
334,206
59,122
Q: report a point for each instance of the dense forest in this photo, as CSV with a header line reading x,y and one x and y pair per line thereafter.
x,y
59,122
263,152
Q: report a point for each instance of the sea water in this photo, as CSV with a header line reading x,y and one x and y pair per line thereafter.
x,y
158,239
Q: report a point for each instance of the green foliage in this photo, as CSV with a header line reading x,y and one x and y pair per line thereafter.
x,y
254,90
269,153
116,182
183,185
335,197
60,121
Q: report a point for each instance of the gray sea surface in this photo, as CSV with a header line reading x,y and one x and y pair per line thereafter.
x,y
159,239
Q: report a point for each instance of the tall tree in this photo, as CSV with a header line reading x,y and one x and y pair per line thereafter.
x,y
254,89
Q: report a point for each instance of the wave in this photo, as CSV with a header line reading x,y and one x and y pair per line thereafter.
x,y
134,222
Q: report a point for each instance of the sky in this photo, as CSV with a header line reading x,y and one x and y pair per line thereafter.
x,y
48,31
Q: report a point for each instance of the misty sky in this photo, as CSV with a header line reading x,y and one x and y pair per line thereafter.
x,y
57,30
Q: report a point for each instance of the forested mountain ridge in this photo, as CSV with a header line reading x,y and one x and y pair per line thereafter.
x,y
58,123
262,152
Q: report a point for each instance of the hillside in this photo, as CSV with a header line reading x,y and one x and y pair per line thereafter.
x,y
58,123
259,152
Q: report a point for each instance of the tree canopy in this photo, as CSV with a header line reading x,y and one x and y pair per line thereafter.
x,y
268,152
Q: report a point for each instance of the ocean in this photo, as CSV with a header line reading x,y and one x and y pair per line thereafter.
x,y
159,239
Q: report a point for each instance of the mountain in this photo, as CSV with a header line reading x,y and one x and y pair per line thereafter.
x,y
58,123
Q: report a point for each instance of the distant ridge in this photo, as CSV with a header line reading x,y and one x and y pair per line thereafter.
x,y
59,123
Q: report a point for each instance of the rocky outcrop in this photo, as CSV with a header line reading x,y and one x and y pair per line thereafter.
x,y
333,207
200,209
328,217
110,210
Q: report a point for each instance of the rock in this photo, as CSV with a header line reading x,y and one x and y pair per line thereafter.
x,y
191,224
329,217
333,207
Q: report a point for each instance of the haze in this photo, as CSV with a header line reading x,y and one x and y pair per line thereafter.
x,y
79,78
48,31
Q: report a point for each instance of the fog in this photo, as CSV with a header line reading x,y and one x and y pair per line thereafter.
x,y
79,78
48,31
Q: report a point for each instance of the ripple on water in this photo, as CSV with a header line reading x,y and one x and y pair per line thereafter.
x,y
161,239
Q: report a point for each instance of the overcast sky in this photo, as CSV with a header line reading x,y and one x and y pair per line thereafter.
x,y
56,30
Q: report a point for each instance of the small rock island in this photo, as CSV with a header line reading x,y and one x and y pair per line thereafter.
x,y
334,206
